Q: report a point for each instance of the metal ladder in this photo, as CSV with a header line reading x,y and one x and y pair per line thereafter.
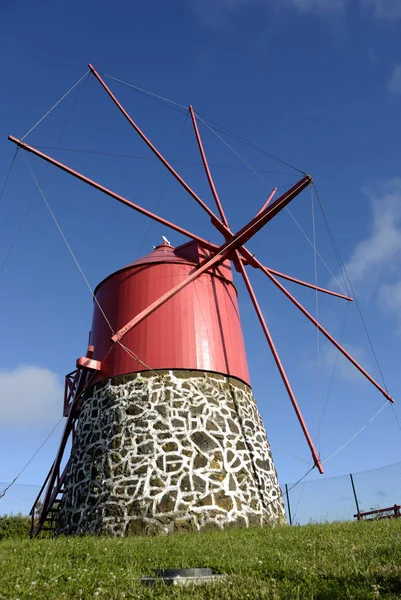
x,y
44,516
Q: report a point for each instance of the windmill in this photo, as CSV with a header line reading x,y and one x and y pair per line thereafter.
x,y
135,353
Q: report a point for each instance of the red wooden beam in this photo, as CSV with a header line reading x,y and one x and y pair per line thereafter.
x,y
253,262
153,148
267,201
208,173
325,333
280,367
109,192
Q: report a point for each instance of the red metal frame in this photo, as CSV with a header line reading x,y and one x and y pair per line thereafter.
x,y
379,513
233,248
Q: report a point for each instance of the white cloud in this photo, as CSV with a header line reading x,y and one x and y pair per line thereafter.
x,y
390,300
394,83
320,6
375,263
29,396
344,368
384,9
376,255
214,12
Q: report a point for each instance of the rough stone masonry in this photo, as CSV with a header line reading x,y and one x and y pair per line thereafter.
x,y
169,451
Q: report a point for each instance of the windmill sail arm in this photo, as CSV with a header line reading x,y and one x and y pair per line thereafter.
x,y
269,199
153,148
280,367
258,265
207,169
108,192
328,335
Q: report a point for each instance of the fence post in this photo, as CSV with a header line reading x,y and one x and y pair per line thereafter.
x,y
288,503
356,499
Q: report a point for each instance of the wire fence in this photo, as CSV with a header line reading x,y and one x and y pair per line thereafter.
x,y
319,500
19,498
340,498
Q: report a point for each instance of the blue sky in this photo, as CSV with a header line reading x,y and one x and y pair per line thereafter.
x,y
315,82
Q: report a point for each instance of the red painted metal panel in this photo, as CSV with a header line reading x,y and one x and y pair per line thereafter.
x,y
199,328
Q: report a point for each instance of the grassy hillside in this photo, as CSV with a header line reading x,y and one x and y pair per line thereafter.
x,y
348,560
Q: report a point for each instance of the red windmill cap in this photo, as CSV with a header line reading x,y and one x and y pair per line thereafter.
x,y
190,253
161,254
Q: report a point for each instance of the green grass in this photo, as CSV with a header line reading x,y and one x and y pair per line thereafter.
x,y
341,560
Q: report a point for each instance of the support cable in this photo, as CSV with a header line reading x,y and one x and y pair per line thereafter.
x,y
241,140
66,243
345,292
3,188
299,500
308,462
164,186
221,128
57,103
130,352
153,158
146,92
334,368
396,417
236,153
286,208
5,490
17,234
357,433
345,272
319,408
347,279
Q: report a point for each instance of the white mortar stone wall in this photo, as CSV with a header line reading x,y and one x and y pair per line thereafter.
x,y
166,451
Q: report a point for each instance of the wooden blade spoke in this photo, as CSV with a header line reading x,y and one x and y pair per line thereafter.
x,y
270,198
153,148
328,336
280,367
207,169
110,193
254,262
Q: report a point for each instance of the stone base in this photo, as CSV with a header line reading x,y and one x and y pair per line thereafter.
x,y
169,451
